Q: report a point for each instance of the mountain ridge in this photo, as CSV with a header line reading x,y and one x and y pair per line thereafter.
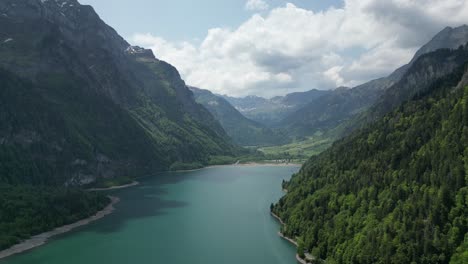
x,y
395,187
242,130
79,65
336,108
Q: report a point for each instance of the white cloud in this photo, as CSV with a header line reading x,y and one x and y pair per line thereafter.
x,y
291,49
256,5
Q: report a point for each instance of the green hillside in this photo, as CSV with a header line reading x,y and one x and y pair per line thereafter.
x,y
80,105
393,192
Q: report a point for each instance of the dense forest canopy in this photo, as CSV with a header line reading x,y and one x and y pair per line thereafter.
x,y
26,211
393,192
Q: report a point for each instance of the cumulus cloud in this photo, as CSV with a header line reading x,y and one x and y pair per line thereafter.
x,y
292,49
256,5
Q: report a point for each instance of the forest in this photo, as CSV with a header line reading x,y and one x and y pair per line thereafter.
x,y
393,192
26,211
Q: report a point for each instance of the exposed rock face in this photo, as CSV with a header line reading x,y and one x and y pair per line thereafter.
x,y
424,71
449,38
87,94
464,81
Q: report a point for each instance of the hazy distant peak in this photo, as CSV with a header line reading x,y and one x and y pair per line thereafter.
x,y
342,88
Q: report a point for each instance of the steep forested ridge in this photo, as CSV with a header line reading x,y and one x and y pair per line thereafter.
x,y
393,192
79,104
346,105
418,79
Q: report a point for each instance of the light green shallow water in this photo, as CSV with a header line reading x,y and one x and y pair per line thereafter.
x,y
214,215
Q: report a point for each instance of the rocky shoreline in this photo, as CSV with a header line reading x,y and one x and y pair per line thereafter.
x,y
290,240
41,239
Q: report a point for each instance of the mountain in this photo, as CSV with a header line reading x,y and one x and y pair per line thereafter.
x,y
394,191
329,111
419,78
296,100
271,111
448,38
79,104
242,130
342,105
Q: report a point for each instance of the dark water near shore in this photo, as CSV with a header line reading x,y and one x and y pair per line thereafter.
x,y
214,215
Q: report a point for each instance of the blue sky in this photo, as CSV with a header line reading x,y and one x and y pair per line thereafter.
x,y
275,47
179,20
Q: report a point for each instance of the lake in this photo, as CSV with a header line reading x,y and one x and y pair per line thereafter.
x,y
213,215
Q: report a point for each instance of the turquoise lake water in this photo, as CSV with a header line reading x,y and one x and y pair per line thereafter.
x,y
214,215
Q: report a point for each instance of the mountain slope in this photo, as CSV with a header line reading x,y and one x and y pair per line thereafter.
x,y
329,111
418,79
393,192
97,107
270,111
342,105
242,130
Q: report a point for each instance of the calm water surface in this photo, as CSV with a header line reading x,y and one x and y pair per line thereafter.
x,y
214,215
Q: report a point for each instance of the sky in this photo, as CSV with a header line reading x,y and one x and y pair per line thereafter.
x,y
274,47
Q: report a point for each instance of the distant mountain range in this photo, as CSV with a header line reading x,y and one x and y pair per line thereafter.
x,y
243,131
271,111
303,114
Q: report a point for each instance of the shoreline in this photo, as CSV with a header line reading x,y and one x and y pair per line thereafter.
x,y
41,239
290,240
269,164
134,183
248,164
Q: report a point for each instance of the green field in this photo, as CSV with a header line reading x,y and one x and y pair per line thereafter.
x,y
300,149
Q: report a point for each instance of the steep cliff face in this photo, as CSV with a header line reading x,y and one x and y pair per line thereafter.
x,y
116,110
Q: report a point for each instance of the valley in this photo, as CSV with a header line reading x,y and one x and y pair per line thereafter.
x,y
133,148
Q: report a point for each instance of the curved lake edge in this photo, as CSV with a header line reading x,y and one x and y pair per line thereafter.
x,y
118,187
38,254
41,239
290,240
248,164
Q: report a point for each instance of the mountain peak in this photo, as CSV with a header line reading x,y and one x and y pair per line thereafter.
x,y
449,38
141,53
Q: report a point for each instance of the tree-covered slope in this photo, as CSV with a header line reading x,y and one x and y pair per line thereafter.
x,y
56,139
393,192
343,105
329,111
26,211
417,79
242,130
80,104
